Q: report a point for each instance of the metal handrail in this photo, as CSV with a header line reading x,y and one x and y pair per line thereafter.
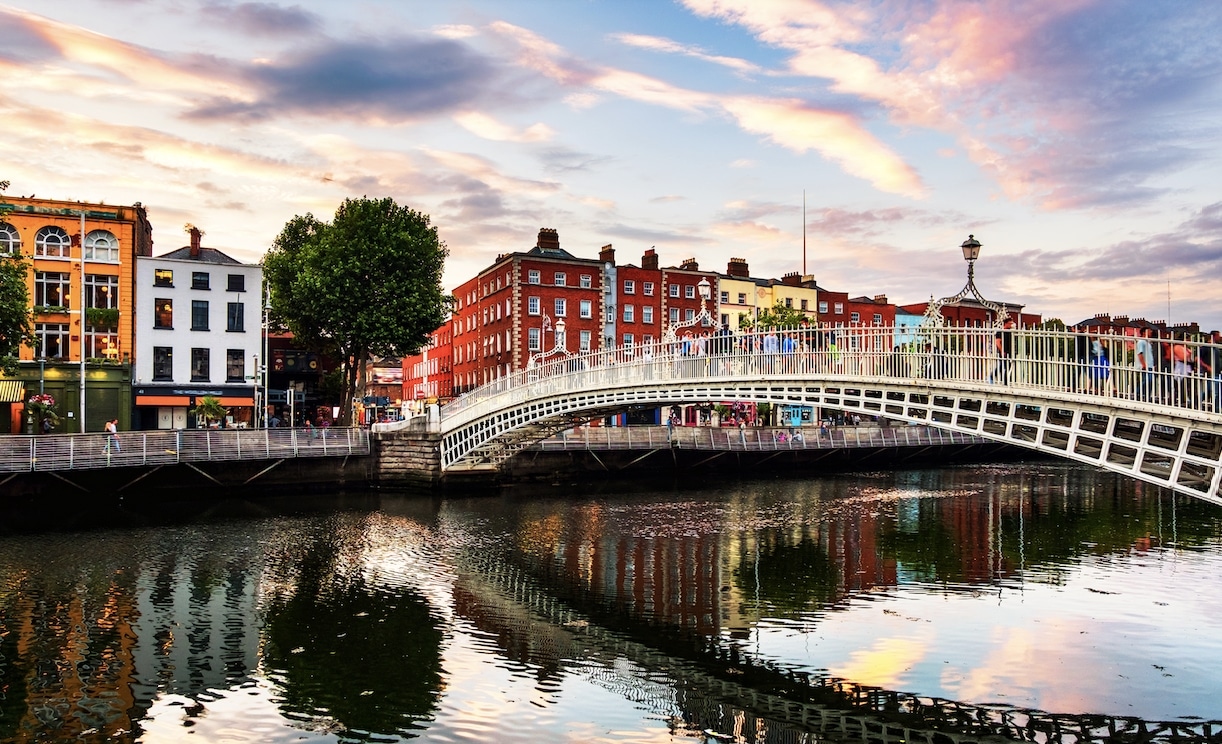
x,y
1047,361
752,439
59,452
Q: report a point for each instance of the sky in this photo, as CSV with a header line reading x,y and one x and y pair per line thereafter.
x,y
859,142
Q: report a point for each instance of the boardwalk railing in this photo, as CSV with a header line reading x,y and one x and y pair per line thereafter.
x,y
753,439
60,452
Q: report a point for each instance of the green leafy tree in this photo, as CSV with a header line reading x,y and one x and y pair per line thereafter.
x,y
16,315
367,283
777,316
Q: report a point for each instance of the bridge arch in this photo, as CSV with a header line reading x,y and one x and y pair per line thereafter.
x,y
1038,407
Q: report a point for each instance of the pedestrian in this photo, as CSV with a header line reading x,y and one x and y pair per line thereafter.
x,y
1003,342
112,435
1145,362
1100,368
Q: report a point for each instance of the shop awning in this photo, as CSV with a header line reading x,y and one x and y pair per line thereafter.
x,y
185,400
12,391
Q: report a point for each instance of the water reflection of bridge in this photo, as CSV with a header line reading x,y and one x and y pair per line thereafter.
x,y
1161,426
714,687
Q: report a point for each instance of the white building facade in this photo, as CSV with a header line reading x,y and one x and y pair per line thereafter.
x,y
199,332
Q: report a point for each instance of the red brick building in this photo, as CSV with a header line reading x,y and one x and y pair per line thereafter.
x,y
429,375
545,299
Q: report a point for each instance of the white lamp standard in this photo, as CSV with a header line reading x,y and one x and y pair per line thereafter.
x,y
971,252
705,289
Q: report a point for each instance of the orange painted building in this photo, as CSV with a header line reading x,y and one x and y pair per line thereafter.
x,y
81,268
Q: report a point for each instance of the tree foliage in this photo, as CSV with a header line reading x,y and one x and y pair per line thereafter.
x,y
366,283
777,316
16,315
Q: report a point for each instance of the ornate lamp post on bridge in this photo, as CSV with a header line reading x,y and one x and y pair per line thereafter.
x,y
560,347
703,318
971,252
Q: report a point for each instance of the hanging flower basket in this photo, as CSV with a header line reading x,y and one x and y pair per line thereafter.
x,y
43,406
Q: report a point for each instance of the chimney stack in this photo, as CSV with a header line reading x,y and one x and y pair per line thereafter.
x,y
548,239
607,254
650,260
880,299
792,279
738,267
195,241
689,264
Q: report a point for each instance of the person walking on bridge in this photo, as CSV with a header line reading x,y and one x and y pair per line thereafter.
x,y
1003,342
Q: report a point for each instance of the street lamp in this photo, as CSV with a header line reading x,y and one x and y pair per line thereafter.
x,y
705,290
561,342
971,252
560,346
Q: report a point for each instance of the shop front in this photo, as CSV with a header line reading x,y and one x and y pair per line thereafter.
x,y
169,406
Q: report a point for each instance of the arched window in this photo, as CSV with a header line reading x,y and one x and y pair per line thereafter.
x,y
10,239
52,242
101,245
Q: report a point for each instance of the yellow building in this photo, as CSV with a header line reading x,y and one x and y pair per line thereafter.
x,y
743,298
82,262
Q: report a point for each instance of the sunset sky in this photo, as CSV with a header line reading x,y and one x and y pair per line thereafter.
x,y
1078,140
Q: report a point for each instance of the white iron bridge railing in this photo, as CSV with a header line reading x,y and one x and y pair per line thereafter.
x,y
1148,408
1182,374
62,452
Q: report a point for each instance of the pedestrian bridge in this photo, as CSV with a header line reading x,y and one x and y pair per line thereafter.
x,y
1072,395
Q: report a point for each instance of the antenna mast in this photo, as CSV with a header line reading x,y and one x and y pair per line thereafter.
x,y
803,232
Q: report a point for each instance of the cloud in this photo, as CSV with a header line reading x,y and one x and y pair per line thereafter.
x,y
659,44
20,41
485,126
392,81
262,19
1067,104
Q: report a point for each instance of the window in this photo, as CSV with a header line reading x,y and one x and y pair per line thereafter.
x,y
823,307
235,365
561,307
839,308
584,341
647,339
237,283
587,309
688,314
674,290
629,313
559,279
101,245
742,298
532,306
163,313
647,314
674,315
10,239
200,280
629,286
689,291
854,317
52,242
533,277
163,363
101,291
586,281
235,317
805,304
101,343
628,339
532,338
199,365
199,315
163,277
51,288
51,340
647,289
878,320
789,302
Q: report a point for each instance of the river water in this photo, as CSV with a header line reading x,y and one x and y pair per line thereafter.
x,y
1028,601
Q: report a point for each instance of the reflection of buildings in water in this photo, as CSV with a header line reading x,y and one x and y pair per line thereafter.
x,y
92,656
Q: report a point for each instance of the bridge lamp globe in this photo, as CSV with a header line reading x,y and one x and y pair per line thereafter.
x,y
971,248
560,333
706,290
